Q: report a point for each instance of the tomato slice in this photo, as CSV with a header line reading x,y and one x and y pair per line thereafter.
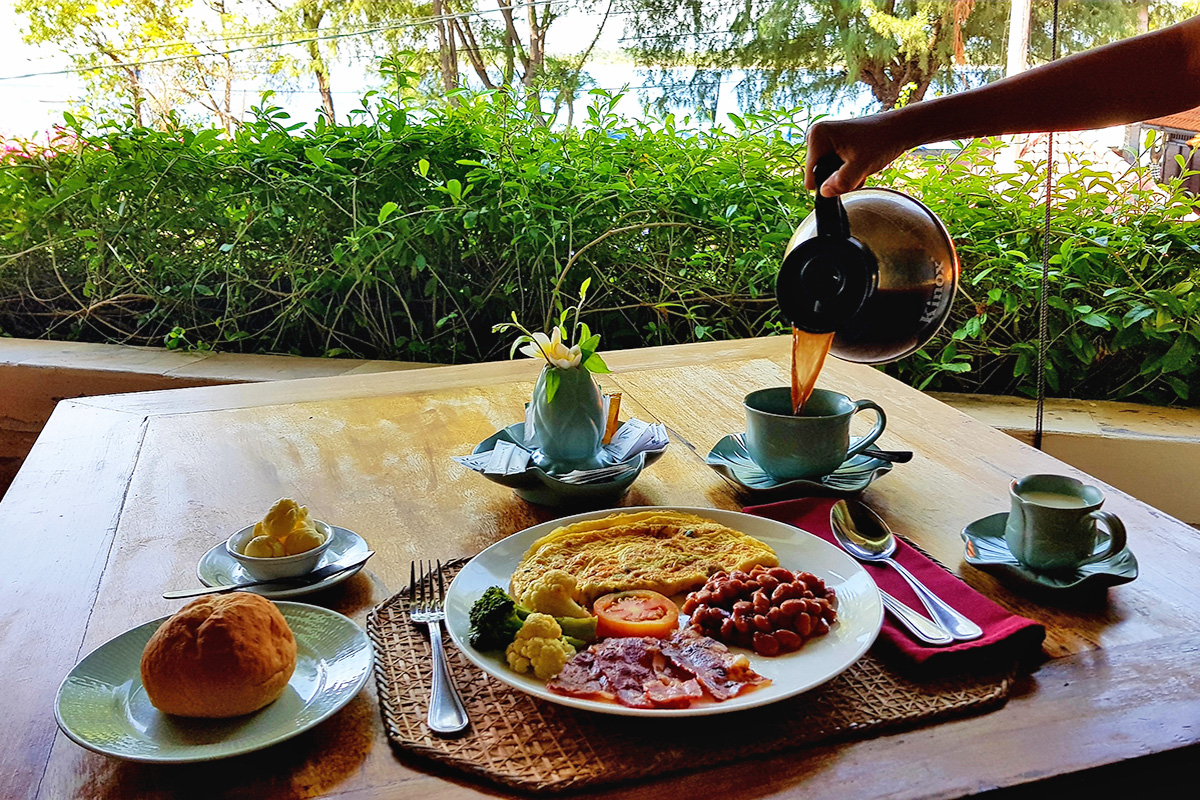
x,y
636,612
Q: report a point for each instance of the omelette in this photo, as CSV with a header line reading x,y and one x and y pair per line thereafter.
x,y
666,551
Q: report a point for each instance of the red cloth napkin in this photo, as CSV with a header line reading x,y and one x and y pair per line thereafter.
x,y
1005,635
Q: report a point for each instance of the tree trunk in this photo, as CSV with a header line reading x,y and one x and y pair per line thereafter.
x,y
537,55
513,39
229,120
1018,37
312,17
135,90
887,83
447,56
133,76
467,36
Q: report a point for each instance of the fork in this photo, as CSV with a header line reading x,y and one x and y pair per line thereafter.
x,y
446,712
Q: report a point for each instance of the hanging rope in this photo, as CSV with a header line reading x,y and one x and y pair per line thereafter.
x,y
1043,307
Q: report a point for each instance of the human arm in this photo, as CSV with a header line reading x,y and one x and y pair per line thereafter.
x,y
1150,75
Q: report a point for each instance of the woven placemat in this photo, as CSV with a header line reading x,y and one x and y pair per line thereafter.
x,y
527,743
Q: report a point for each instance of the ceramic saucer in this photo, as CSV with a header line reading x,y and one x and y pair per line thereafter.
x,y
542,488
217,567
987,550
732,460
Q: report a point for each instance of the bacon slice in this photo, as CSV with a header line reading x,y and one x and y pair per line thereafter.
x,y
628,666
722,674
679,694
656,673
581,677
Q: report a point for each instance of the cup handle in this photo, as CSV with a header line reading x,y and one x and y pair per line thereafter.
x,y
1116,530
873,434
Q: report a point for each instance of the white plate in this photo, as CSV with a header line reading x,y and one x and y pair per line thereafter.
x,y
860,613
218,568
102,705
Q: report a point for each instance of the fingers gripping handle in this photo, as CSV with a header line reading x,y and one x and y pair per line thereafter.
x,y
831,214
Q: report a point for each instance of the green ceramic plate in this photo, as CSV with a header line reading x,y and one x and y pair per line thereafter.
x,y
732,460
544,489
986,549
102,706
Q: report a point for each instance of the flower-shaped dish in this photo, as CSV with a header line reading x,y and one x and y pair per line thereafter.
x,y
732,460
538,486
987,550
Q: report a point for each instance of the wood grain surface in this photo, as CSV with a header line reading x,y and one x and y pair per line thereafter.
x,y
123,494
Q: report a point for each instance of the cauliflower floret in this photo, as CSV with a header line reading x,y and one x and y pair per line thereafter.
x,y
554,593
539,646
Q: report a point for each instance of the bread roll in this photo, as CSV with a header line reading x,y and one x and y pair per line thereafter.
x,y
219,656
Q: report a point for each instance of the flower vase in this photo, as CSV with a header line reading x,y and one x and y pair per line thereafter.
x,y
568,428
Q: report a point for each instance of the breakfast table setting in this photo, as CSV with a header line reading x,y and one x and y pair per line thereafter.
x,y
719,569
124,495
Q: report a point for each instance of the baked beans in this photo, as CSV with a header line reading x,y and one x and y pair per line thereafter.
x,y
770,610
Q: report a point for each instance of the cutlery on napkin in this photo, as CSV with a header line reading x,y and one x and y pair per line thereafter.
x,y
1004,634
299,581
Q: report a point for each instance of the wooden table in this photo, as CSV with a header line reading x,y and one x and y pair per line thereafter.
x,y
122,494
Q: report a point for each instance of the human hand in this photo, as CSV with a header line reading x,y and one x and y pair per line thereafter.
x,y
865,145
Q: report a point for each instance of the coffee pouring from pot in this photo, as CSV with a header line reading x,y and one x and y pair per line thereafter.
x,y
874,267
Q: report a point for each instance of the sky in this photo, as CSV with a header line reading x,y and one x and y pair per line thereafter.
x,y
30,106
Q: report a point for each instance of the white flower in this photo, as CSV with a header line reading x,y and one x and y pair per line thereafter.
x,y
553,350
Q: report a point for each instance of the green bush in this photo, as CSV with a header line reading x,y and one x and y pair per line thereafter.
x,y
399,237
407,236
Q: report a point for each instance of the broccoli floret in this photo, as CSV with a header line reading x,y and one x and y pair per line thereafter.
x,y
495,619
583,630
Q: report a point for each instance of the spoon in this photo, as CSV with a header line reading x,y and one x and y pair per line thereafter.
x,y
864,535
894,456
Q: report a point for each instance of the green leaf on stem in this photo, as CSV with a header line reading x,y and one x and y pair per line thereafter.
x,y
512,351
595,363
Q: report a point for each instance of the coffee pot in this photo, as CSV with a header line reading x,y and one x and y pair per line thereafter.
x,y
874,267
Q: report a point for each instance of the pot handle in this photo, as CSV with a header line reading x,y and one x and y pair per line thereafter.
x,y
831,214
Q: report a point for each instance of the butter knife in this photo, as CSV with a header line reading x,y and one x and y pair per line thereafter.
x,y
278,584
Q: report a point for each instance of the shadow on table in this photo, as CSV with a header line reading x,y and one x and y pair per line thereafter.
x,y
312,764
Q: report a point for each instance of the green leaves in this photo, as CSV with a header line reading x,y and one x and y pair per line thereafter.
x,y
594,363
553,379
315,156
408,235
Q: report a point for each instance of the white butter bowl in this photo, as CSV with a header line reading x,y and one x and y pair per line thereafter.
x,y
265,569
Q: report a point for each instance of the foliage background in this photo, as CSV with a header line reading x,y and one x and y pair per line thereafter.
x,y
408,236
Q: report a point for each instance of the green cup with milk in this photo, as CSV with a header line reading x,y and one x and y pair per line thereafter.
x,y
1053,523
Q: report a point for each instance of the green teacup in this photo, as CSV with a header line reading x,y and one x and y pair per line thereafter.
x,y
1052,524
809,446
